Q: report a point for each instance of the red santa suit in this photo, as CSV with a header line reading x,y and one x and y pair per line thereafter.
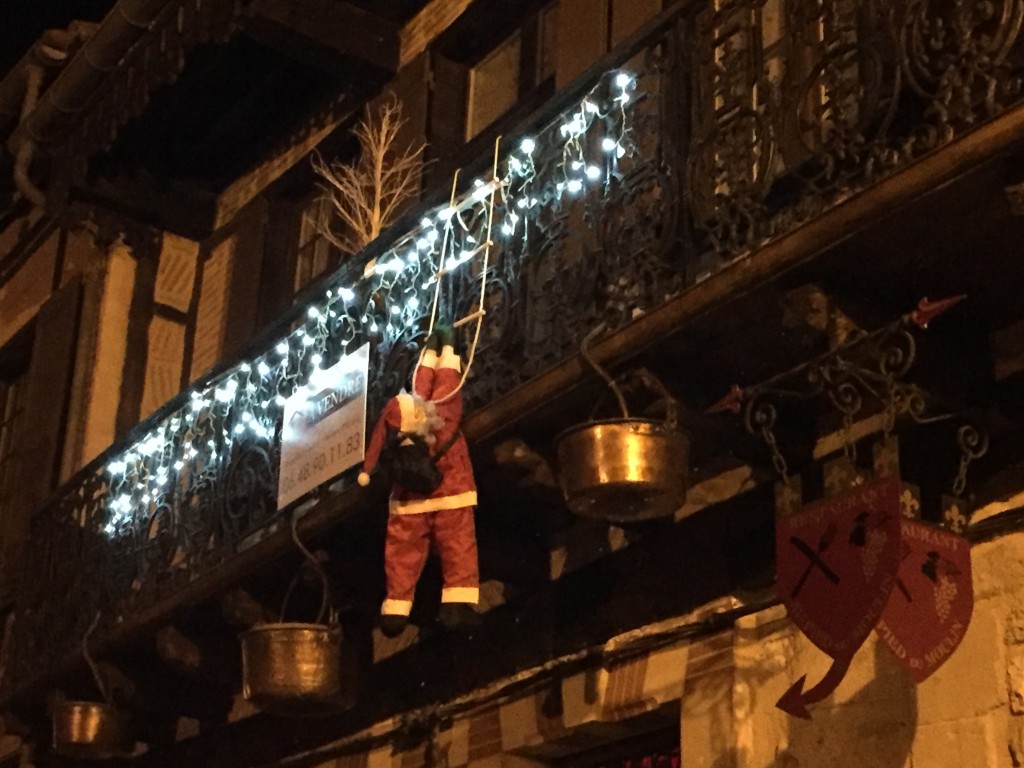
x,y
444,516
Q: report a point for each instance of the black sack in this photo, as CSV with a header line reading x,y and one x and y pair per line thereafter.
x,y
408,462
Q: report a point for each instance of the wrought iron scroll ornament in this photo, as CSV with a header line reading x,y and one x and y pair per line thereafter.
x,y
865,372
799,104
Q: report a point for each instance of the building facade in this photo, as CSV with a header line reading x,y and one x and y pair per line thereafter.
x,y
756,193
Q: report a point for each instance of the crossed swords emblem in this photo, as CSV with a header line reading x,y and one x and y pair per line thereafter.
x,y
814,555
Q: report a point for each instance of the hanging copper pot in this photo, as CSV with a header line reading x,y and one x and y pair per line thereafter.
x,y
291,667
87,729
294,668
624,469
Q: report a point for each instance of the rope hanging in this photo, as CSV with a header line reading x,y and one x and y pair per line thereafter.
x,y
485,248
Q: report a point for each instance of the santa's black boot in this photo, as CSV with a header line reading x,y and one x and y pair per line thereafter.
x,y
458,616
392,625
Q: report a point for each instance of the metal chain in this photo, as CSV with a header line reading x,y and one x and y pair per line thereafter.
x,y
973,445
849,446
960,483
889,413
92,663
778,460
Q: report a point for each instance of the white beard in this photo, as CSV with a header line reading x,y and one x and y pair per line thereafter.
x,y
426,421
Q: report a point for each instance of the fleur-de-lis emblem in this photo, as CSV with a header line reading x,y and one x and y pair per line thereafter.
x,y
955,519
909,505
839,477
887,461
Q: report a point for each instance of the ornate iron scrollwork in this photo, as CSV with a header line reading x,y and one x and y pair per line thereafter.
x,y
956,55
861,377
800,103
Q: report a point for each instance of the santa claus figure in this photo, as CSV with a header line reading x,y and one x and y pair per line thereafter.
x,y
442,517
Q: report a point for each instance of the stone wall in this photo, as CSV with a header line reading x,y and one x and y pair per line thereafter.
x,y
969,714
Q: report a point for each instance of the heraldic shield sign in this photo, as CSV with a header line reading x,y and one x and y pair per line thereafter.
x,y
930,608
836,564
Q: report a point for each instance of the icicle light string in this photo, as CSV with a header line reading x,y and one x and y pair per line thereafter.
x,y
245,404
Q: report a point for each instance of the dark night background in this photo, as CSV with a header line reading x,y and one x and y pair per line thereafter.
x,y
22,21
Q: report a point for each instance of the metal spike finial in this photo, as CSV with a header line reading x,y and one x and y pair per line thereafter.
x,y
732,402
928,310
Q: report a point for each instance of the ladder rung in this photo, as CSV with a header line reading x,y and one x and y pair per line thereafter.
x,y
469,318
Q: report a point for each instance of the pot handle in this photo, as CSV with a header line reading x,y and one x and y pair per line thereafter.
x,y
654,384
92,663
325,600
612,385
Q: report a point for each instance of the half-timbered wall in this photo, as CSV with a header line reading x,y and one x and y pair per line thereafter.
x,y
722,689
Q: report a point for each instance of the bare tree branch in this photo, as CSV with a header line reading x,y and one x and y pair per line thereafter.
x,y
367,195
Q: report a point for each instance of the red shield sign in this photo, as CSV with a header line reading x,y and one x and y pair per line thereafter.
x,y
929,609
836,563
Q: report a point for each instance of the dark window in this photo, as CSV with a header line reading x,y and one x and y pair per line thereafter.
x,y
653,743
316,255
500,77
523,63
658,748
658,758
547,42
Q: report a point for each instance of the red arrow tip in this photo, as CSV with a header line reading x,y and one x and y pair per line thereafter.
x,y
731,402
792,701
928,310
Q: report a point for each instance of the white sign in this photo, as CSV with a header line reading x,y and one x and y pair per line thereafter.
x,y
323,427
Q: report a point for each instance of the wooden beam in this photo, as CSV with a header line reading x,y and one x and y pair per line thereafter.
x,y
426,25
339,26
243,190
177,650
171,206
239,609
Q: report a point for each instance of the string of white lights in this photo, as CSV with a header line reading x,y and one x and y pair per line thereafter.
x,y
246,403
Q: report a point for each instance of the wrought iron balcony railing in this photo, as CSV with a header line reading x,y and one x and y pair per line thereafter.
x,y
714,130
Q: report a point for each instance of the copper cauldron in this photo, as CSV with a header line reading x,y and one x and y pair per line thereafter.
x,y
291,668
623,470
294,668
85,729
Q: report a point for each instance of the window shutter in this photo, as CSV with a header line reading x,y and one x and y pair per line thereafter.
x,y
629,15
48,387
447,115
245,277
284,222
582,37
410,88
